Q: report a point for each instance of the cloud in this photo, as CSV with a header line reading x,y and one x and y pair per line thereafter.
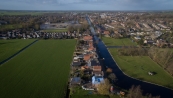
x,y
87,4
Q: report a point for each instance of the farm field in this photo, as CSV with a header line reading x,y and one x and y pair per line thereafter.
x,y
10,47
118,42
41,71
139,66
55,30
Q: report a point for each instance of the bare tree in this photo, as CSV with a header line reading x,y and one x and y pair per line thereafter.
x,y
103,88
109,70
135,92
112,77
170,68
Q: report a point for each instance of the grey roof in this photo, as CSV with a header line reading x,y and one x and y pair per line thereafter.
x,y
76,80
76,63
94,62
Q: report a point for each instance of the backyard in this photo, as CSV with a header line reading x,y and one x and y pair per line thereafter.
x,y
40,71
118,42
10,47
80,93
139,66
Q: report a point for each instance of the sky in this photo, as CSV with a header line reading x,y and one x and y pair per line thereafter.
x,y
86,4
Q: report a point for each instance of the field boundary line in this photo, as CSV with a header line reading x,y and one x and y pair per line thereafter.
x,y
69,76
11,57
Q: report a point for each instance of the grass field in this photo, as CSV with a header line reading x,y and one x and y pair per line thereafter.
x,y
10,47
139,66
10,26
55,30
41,71
118,42
80,93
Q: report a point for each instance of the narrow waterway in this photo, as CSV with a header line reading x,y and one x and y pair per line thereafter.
x,y
124,81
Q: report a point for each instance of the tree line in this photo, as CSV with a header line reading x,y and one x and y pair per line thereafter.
x,y
30,22
163,56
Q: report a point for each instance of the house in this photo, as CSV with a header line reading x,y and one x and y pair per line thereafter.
x,y
147,37
148,41
138,26
97,68
97,71
84,67
93,62
86,57
163,27
87,38
79,56
76,62
103,15
109,26
161,43
137,38
96,80
106,32
91,48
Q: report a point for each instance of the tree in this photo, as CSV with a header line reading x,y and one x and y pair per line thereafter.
x,y
170,68
135,92
112,77
37,27
109,70
103,88
70,28
140,42
161,56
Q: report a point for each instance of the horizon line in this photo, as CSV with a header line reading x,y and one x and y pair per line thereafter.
x,y
84,10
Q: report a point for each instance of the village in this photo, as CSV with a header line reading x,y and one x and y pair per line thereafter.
x,y
87,71
142,27
40,35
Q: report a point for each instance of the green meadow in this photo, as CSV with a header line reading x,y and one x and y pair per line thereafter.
x,y
118,42
10,47
10,26
40,71
55,30
139,66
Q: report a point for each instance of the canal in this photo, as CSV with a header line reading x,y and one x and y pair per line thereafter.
x,y
125,81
